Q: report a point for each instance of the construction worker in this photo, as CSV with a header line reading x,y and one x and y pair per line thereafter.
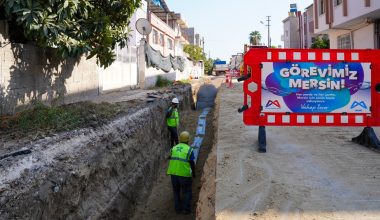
x,y
181,169
172,120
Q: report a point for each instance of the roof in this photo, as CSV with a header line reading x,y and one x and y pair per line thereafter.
x,y
309,6
162,10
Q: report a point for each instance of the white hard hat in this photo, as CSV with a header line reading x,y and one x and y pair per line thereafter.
x,y
175,101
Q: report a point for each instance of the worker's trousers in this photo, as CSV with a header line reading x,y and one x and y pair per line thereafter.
x,y
182,203
173,136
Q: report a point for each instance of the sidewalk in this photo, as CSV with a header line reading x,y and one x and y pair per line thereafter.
x,y
122,96
127,95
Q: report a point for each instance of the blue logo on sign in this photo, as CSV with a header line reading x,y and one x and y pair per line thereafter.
x,y
356,104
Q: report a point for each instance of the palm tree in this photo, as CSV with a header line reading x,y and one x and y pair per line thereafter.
x,y
254,37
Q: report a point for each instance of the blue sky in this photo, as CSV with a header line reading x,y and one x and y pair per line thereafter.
x,y
226,25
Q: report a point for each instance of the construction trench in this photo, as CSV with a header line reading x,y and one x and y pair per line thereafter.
x,y
112,171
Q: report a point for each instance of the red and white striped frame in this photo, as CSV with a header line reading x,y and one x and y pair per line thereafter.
x,y
252,97
313,119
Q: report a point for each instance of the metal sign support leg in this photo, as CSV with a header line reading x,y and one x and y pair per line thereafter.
x,y
262,140
368,138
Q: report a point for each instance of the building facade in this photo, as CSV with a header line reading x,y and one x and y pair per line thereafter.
x,y
167,32
180,40
308,37
350,24
162,36
123,73
189,34
199,40
292,31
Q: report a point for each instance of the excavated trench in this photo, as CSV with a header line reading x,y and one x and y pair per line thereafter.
x,y
103,172
160,204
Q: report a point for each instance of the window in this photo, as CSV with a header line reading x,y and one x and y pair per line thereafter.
x,y
344,41
161,41
155,37
337,2
322,7
170,44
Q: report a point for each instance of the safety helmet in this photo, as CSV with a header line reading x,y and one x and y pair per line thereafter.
x,y
184,137
175,101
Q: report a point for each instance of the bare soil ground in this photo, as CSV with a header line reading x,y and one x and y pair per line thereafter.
x,y
206,202
307,172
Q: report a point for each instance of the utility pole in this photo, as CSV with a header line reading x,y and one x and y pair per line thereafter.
x,y
268,25
148,17
203,46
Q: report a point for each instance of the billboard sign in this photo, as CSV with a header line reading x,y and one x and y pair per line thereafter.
x,y
293,5
316,87
311,87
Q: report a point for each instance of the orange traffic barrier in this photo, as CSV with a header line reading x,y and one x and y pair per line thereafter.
x,y
229,80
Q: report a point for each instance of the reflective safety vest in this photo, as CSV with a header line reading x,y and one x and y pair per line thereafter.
x,y
173,120
179,164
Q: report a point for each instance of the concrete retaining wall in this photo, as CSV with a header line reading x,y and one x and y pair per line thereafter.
x,y
29,74
190,70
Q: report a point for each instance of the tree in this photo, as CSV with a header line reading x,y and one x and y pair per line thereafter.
x,y
209,66
74,27
321,43
254,37
196,53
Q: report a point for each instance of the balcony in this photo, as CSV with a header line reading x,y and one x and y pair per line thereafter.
x,y
356,15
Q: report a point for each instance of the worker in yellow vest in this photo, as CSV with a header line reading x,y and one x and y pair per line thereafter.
x,y
182,170
172,120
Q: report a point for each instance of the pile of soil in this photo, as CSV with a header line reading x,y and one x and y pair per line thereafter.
x,y
99,171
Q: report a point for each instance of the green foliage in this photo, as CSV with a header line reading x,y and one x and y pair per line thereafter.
x,y
254,38
184,81
74,27
209,66
196,53
48,117
321,43
163,82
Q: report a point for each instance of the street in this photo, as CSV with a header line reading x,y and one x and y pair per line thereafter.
x,y
307,172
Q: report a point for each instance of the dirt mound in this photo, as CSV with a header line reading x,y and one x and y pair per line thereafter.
x,y
93,172
206,96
